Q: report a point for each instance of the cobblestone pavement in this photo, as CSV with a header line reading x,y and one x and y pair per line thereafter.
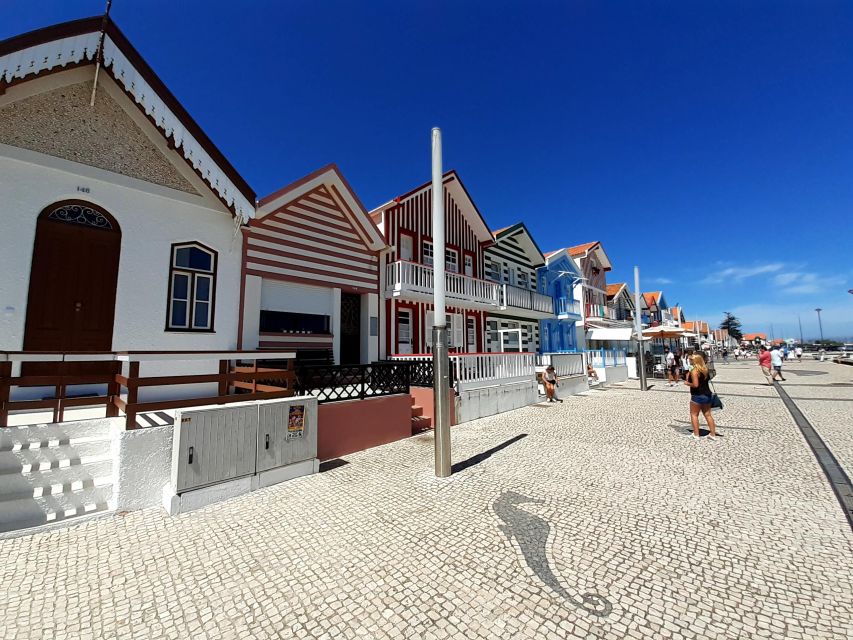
x,y
600,518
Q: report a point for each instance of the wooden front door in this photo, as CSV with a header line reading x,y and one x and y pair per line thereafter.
x,y
71,301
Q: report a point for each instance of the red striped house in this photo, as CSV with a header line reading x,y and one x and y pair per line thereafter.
x,y
311,272
406,225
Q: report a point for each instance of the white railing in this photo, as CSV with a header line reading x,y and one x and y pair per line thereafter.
x,y
606,357
566,306
476,370
565,364
410,277
526,299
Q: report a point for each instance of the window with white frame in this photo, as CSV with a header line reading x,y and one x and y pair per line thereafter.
x,y
192,287
427,253
451,260
469,265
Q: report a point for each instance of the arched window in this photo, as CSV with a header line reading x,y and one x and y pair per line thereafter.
x,y
192,288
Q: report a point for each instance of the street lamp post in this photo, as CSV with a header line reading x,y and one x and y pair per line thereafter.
x,y
440,350
819,323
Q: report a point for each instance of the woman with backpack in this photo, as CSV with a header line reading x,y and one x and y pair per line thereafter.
x,y
699,380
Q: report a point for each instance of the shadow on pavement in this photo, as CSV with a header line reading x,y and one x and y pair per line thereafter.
x,y
470,462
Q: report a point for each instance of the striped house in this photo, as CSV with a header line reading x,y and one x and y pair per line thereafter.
x,y
311,272
513,262
406,225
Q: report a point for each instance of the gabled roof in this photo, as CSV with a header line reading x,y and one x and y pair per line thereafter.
x,y
653,297
453,183
555,256
519,230
753,336
582,250
614,289
333,179
73,44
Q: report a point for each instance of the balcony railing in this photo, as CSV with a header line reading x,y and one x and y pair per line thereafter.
x,y
409,277
476,370
567,306
519,298
600,311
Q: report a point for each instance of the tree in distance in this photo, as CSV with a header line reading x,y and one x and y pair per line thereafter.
x,y
731,323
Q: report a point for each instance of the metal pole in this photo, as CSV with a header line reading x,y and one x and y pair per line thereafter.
x,y
440,357
800,322
638,325
819,323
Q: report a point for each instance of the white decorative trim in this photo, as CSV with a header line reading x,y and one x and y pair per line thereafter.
x,y
81,48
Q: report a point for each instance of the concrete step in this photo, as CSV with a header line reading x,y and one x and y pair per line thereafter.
x,y
42,435
421,423
32,512
36,484
417,411
53,457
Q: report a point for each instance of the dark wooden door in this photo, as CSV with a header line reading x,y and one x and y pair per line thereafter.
x,y
71,301
350,328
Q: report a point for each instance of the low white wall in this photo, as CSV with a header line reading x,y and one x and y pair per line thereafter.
x,y
142,462
616,374
631,363
487,401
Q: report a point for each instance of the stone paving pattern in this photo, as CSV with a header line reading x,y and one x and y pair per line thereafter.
x,y
738,538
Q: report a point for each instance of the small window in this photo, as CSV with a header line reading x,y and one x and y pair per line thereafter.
x,y
427,253
192,286
451,260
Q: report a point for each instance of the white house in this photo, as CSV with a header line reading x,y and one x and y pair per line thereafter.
x,y
119,220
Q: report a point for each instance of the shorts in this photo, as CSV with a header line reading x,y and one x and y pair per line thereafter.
x,y
673,369
777,367
700,399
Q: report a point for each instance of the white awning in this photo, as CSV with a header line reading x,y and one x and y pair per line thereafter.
x,y
621,333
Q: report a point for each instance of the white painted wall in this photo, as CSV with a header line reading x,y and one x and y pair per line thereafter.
x,y
152,218
141,465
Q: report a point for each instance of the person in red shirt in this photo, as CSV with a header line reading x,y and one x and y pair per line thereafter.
x,y
764,363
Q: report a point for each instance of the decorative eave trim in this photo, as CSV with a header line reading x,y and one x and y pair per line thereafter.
x,y
72,44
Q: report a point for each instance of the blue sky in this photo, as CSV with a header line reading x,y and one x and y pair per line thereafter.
x,y
709,143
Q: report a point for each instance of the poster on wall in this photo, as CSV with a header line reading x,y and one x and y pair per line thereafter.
x,y
295,421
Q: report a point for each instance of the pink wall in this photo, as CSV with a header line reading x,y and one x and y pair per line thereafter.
x,y
354,425
423,397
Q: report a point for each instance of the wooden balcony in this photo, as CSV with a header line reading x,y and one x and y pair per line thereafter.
x,y
567,307
415,281
525,302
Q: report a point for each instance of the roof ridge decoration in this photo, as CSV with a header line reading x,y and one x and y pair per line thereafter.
x,y
72,44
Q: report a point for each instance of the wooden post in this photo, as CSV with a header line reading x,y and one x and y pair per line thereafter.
x,y
5,387
223,381
132,395
59,394
255,378
113,392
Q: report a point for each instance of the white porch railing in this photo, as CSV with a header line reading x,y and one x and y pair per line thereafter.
x,y
526,299
409,277
606,357
567,306
600,311
476,370
565,364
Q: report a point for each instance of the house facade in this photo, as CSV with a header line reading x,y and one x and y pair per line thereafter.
x,y
311,273
514,261
406,313
658,310
119,218
561,278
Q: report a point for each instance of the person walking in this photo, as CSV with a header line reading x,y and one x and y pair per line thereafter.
x,y
799,352
551,384
700,396
776,361
764,363
725,355
671,366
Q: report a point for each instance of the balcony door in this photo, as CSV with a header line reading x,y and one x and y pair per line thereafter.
x,y
404,331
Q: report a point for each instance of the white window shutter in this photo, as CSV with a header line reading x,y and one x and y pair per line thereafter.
x,y
458,325
430,315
